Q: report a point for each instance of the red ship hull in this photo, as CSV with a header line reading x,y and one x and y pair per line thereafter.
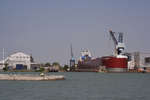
x,y
114,64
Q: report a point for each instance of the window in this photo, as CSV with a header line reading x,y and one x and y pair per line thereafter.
x,y
147,60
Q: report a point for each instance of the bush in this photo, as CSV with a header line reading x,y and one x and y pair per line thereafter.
x,y
66,67
5,68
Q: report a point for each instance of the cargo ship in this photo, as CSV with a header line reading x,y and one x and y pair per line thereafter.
x,y
119,61
116,63
88,64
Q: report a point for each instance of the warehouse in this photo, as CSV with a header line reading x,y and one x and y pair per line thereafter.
x,y
18,61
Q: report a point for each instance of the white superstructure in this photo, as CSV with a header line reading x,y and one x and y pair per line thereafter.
x,y
85,54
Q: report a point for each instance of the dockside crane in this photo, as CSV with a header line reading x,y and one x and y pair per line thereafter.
x,y
72,60
119,45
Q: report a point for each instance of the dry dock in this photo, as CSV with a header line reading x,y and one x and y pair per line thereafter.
x,y
31,77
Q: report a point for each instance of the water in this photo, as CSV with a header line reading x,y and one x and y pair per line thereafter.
x,y
80,86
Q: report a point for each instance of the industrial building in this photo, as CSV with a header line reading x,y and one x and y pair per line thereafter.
x,y
18,61
139,60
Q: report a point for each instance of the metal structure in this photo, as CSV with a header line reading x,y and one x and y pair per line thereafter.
x,y
72,60
119,45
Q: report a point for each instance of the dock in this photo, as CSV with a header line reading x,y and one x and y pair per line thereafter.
x,y
31,77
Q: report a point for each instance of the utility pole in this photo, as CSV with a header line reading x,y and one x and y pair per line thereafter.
x,y
3,57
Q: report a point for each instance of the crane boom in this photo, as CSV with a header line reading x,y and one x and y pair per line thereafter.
x,y
119,45
113,37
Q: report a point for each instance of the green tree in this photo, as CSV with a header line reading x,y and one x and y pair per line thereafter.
x,y
66,67
55,64
6,67
47,64
41,69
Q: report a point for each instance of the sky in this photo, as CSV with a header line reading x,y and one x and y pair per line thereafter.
x,y
47,28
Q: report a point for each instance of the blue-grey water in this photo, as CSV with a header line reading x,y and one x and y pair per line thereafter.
x,y
80,86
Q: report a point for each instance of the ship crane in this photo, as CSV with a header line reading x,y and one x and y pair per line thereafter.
x,y
119,45
118,62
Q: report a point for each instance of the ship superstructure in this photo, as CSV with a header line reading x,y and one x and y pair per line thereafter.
x,y
88,64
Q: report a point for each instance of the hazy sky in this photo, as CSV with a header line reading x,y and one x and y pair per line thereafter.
x,y
46,28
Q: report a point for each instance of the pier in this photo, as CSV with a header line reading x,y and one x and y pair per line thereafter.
x,y
29,77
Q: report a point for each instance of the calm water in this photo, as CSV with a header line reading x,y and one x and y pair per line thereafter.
x,y
80,86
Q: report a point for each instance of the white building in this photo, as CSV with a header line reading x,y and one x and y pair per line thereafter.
x,y
18,60
138,60
144,60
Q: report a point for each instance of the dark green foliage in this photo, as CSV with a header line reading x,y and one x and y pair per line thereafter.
x,y
47,64
55,64
66,67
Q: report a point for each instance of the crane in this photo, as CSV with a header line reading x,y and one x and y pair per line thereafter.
x,y
119,45
72,60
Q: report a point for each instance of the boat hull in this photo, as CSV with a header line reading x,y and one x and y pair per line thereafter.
x,y
92,65
114,64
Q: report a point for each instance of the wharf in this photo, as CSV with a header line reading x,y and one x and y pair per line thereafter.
x,y
31,77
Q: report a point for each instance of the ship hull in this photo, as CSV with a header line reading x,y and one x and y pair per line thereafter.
x,y
89,66
114,64
86,70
